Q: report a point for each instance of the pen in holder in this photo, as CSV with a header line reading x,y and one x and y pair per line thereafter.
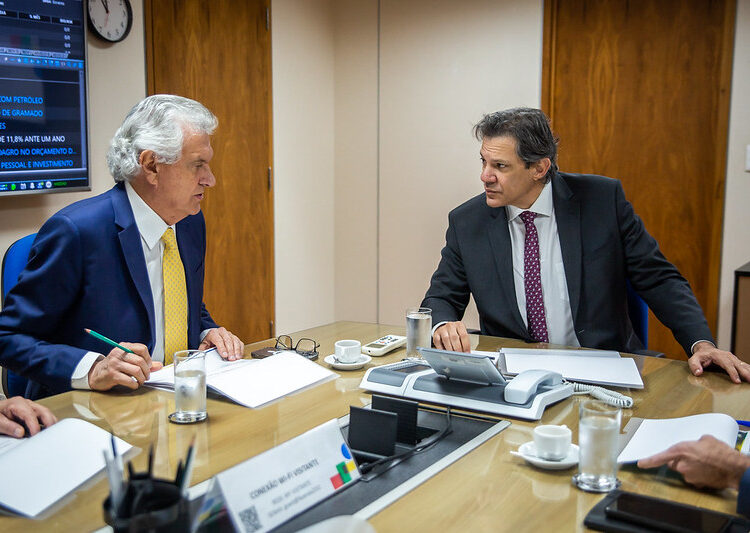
x,y
149,504
145,503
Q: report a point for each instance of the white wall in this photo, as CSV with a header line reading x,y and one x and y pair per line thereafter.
x,y
443,64
736,240
409,81
303,141
117,80
356,159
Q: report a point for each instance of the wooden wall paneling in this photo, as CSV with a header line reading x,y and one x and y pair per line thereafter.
x,y
639,90
219,53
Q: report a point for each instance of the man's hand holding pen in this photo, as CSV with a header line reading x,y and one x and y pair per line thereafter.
x,y
129,369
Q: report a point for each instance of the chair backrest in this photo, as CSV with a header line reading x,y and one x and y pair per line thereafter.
x,y
14,261
638,312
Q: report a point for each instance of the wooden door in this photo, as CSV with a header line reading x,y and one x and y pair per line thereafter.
x,y
639,90
219,53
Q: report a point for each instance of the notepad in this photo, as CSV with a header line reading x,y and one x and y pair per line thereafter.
x,y
38,471
656,435
600,367
253,382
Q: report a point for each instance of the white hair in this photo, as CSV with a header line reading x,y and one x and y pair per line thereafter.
x,y
157,123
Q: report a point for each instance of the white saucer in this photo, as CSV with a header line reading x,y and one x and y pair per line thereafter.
x,y
363,360
528,452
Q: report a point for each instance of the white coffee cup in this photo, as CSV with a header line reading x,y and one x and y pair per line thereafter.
x,y
348,351
552,442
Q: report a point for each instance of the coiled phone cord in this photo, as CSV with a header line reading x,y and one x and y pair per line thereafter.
x,y
600,393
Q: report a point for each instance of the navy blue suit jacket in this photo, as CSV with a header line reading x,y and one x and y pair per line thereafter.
x,y
603,242
743,496
87,270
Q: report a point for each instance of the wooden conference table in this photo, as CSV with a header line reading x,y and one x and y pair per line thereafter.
x,y
487,490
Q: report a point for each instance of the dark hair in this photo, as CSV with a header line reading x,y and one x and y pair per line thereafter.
x,y
529,127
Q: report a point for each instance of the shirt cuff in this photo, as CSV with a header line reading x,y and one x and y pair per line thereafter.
x,y
80,377
692,348
204,333
432,334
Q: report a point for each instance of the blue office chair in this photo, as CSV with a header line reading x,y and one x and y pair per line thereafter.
x,y
638,313
14,261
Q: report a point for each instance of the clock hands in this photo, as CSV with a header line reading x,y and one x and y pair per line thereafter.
x,y
105,3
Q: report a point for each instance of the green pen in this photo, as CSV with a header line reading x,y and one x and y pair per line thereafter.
x,y
108,341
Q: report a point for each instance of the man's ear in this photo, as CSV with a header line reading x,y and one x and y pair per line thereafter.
x,y
540,168
147,159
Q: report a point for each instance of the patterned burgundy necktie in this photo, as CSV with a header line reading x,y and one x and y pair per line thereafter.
x,y
532,281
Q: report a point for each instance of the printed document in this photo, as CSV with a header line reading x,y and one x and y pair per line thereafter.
x,y
38,471
253,382
656,435
598,367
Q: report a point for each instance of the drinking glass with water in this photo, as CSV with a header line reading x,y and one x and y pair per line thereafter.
x,y
418,329
598,440
189,387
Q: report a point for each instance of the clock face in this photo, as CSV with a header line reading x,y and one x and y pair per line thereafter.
x,y
110,19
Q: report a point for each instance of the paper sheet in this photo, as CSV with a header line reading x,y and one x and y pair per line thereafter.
x,y
253,382
38,471
599,369
164,378
575,353
269,379
656,435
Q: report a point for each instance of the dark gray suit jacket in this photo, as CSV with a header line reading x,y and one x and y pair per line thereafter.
x,y
603,244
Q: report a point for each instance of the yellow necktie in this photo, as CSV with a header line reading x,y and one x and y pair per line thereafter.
x,y
175,298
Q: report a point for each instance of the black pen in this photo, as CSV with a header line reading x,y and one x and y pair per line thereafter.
x,y
178,475
185,481
150,460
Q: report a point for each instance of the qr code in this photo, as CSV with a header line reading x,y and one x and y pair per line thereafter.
x,y
250,520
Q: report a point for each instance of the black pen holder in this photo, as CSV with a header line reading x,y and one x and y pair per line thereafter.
x,y
149,505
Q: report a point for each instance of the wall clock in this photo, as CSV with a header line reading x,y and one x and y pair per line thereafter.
x,y
110,19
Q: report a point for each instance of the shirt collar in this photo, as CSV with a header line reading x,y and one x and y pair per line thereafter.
x,y
542,206
150,225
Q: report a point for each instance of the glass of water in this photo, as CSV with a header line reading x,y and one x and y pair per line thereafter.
x,y
189,387
598,440
418,329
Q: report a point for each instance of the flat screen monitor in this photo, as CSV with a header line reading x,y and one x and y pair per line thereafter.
x,y
43,126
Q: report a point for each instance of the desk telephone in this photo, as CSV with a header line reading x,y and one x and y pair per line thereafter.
x,y
525,384
468,381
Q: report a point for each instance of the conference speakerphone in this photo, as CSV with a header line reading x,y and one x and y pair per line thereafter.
x,y
470,382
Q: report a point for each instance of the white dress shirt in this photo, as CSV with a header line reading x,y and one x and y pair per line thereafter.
x,y
552,271
151,228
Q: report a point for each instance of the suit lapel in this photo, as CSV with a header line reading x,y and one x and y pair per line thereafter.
x,y
130,242
499,237
568,214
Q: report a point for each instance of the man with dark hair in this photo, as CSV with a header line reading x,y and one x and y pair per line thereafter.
x,y
547,254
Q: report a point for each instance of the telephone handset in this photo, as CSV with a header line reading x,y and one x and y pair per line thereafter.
x,y
521,388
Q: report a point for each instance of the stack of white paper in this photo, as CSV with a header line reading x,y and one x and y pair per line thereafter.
x,y
253,382
588,366
656,435
38,471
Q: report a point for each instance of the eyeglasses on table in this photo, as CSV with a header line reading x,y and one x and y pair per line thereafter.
x,y
305,347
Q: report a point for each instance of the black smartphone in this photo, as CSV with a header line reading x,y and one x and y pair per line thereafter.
x,y
666,515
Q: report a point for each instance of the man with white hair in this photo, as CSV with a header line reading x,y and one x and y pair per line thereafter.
x,y
128,264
